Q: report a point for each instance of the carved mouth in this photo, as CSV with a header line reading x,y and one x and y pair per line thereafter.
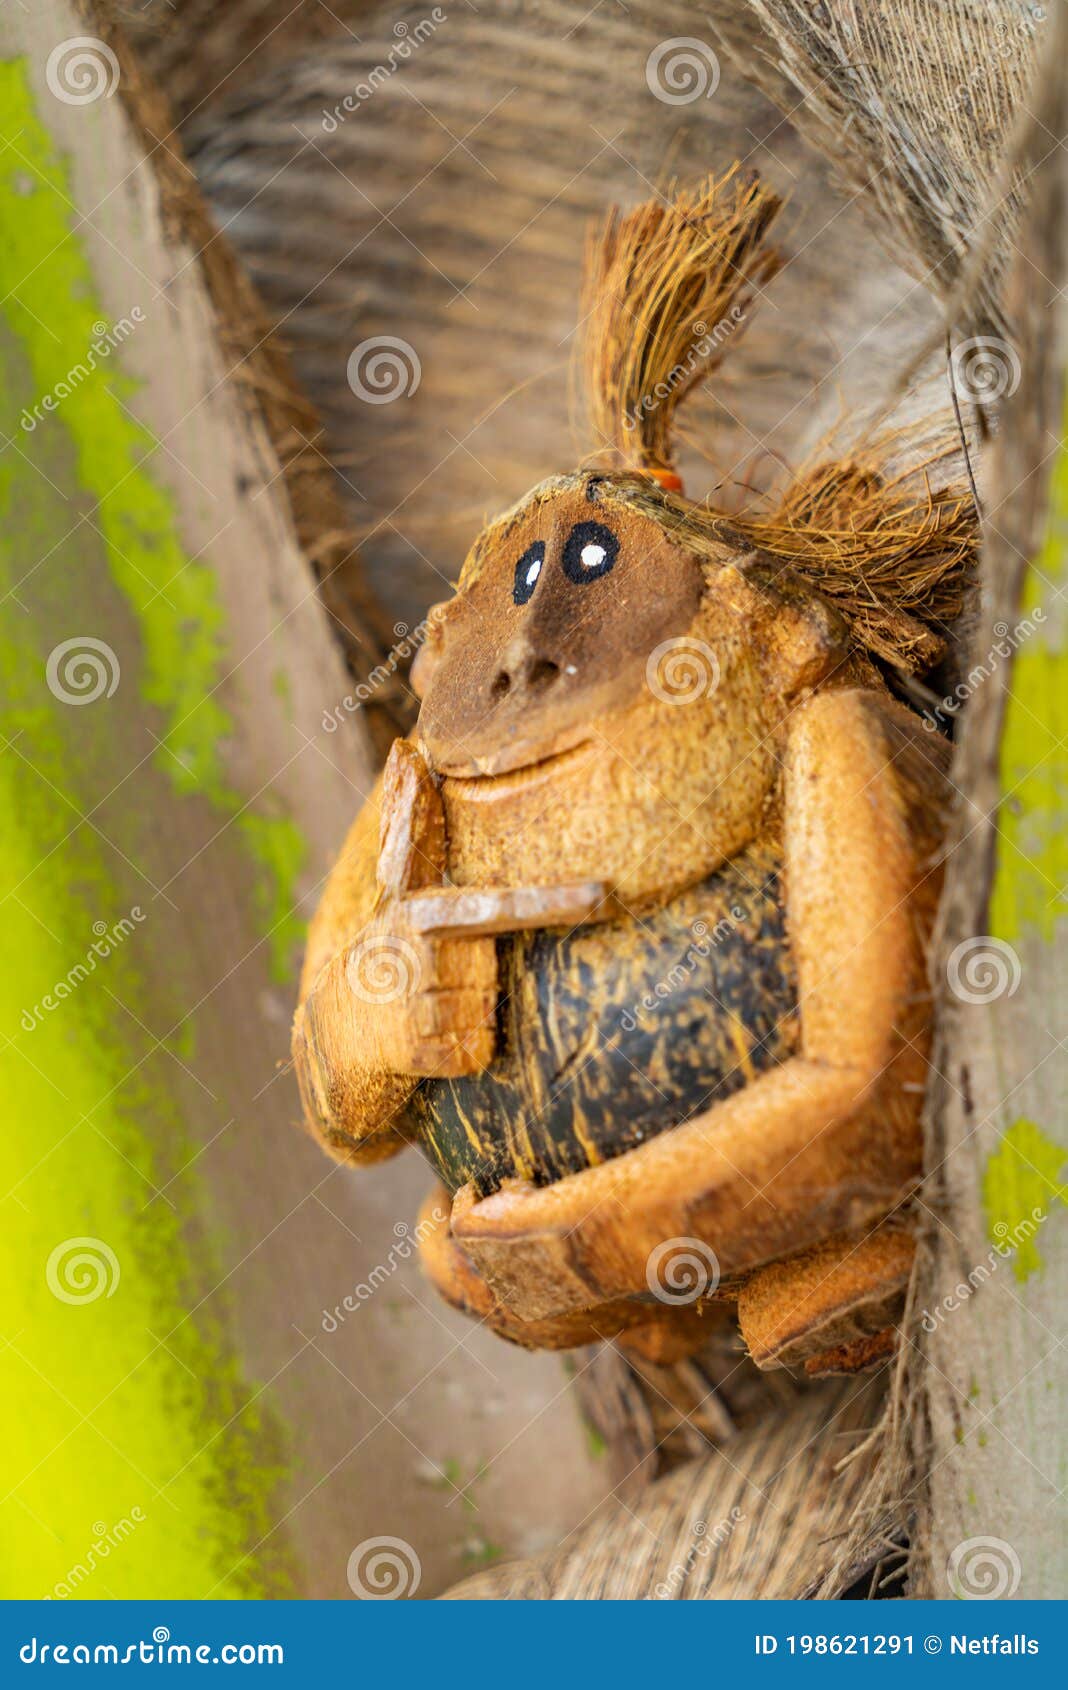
x,y
475,781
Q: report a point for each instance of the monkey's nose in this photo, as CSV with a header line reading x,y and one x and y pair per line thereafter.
x,y
526,670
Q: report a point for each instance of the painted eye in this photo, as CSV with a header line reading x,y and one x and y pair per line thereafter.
x,y
527,571
589,550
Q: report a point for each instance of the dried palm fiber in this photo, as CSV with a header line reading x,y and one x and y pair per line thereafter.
x,y
740,1523
372,229
261,365
662,284
880,532
916,103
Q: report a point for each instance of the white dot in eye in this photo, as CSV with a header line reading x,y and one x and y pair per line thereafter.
x,y
592,556
533,572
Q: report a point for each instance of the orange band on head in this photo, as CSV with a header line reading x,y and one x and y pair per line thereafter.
x,y
665,478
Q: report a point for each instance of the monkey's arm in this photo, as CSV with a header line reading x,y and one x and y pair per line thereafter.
x,y
382,1003
826,1142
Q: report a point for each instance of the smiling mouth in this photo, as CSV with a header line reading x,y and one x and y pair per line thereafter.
x,y
475,780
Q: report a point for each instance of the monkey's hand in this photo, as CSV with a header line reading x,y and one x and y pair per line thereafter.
x,y
383,1001
412,989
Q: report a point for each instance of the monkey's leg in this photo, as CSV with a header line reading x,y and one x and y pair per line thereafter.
x,y
831,1309
660,1333
829,1141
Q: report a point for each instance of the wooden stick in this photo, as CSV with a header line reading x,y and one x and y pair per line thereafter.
x,y
472,911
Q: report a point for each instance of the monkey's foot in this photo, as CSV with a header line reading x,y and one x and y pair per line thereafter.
x,y
831,1309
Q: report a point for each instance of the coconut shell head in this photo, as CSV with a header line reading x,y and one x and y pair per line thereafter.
x,y
559,608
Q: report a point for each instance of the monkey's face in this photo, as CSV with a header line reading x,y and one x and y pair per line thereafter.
x,y
595,699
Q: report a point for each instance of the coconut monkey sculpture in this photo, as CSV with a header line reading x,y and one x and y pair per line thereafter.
x,y
629,937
